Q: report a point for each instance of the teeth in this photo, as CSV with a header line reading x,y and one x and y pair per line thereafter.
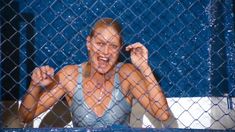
x,y
104,58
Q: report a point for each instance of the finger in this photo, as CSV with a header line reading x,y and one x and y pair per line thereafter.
x,y
50,71
46,68
140,47
134,46
36,75
137,51
43,72
128,48
34,72
132,53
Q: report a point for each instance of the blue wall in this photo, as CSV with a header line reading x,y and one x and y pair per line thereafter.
x,y
191,43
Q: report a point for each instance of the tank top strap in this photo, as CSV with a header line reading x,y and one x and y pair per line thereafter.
x,y
116,76
118,66
80,74
77,97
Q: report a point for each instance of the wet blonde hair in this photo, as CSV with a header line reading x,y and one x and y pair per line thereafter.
x,y
107,22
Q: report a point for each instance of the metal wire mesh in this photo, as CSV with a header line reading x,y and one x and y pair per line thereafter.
x,y
190,43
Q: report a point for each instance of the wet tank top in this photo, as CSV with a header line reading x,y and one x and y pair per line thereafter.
x,y
117,112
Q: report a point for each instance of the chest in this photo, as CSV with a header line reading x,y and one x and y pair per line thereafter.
x,y
100,95
97,94
86,111
95,104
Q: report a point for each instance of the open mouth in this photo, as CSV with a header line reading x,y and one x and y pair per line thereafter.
x,y
103,61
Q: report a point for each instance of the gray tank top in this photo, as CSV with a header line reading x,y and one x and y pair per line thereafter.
x,y
117,113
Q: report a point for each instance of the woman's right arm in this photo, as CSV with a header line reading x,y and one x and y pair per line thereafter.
x,y
37,100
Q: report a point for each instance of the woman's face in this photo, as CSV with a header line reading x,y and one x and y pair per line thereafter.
x,y
103,48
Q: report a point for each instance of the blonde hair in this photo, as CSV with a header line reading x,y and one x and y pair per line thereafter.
x,y
107,22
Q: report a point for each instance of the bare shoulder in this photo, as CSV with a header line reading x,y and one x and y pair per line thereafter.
x,y
67,76
68,71
128,69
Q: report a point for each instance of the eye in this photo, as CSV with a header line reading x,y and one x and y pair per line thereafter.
x,y
114,46
100,43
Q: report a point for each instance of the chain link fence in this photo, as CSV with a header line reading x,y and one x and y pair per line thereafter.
x,y
191,52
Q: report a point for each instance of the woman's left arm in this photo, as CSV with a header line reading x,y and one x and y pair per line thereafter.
x,y
158,104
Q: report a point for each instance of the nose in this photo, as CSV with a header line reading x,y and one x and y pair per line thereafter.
x,y
106,49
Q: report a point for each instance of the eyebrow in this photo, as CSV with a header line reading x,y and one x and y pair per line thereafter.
x,y
100,39
103,39
99,34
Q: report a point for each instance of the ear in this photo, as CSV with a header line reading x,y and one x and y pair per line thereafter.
x,y
88,43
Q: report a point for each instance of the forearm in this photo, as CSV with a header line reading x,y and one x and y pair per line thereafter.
x,y
158,102
29,105
148,74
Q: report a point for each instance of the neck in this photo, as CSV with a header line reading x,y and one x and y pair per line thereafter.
x,y
93,73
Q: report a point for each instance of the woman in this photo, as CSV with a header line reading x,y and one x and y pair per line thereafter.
x,y
100,91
